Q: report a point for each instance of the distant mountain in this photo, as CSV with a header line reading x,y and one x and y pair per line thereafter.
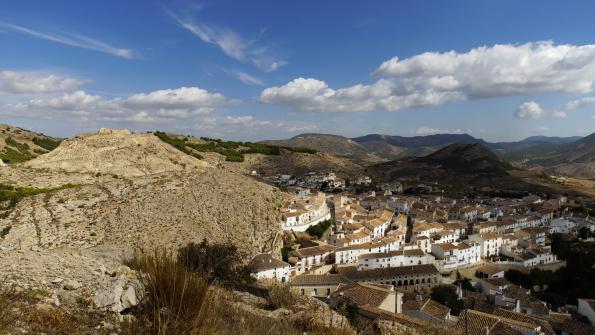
x,y
419,141
571,158
331,144
551,139
467,157
530,142
374,148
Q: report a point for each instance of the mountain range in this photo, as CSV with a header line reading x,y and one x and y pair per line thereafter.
x,y
374,147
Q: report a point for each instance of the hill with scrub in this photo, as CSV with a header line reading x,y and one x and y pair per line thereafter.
x,y
19,145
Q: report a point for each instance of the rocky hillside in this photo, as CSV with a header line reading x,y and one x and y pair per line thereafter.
x,y
168,210
69,218
575,159
116,152
464,157
331,144
18,145
264,158
375,148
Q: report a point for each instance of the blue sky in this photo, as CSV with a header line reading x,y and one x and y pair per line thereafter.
x,y
254,70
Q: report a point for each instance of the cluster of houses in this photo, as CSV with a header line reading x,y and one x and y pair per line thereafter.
x,y
385,251
314,180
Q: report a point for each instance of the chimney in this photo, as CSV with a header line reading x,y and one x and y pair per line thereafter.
x,y
398,302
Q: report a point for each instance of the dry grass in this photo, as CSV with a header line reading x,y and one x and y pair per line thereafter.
x,y
7,303
180,301
24,311
280,295
52,321
177,300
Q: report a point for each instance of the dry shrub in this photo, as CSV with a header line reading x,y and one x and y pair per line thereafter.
x,y
180,301
52,321
280,295
7,314
177,300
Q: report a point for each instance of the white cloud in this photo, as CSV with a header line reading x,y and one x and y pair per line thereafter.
x,y
74,40
580,103
247,78
156,106
499,70
182,102
36,82
308,94
247,121
232,44
429,131
542,128
529,110
559,114
249,124
434,78
303,128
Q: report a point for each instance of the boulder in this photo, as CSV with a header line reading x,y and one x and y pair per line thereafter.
x,y
2,163
123,294
114,131
72,285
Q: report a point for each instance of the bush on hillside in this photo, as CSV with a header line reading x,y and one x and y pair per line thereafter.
x,y
319,229
280,296
22,147
11,156
177,143
46,143
223,263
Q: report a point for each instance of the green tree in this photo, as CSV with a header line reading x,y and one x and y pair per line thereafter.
x,y
584,233
447,296
319,228
221,262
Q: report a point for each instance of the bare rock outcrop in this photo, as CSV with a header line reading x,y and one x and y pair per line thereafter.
x,y
116,152
127,191
169,210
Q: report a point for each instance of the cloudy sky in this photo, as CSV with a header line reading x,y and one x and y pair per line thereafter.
x,y
250,70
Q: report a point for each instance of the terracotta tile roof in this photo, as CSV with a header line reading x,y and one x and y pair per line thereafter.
x,y
378,314
311,251
262,262
313,280
435,309
429,307
363,293
447,246
545,326
357,235
576,327
476,322
363,275
489,269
